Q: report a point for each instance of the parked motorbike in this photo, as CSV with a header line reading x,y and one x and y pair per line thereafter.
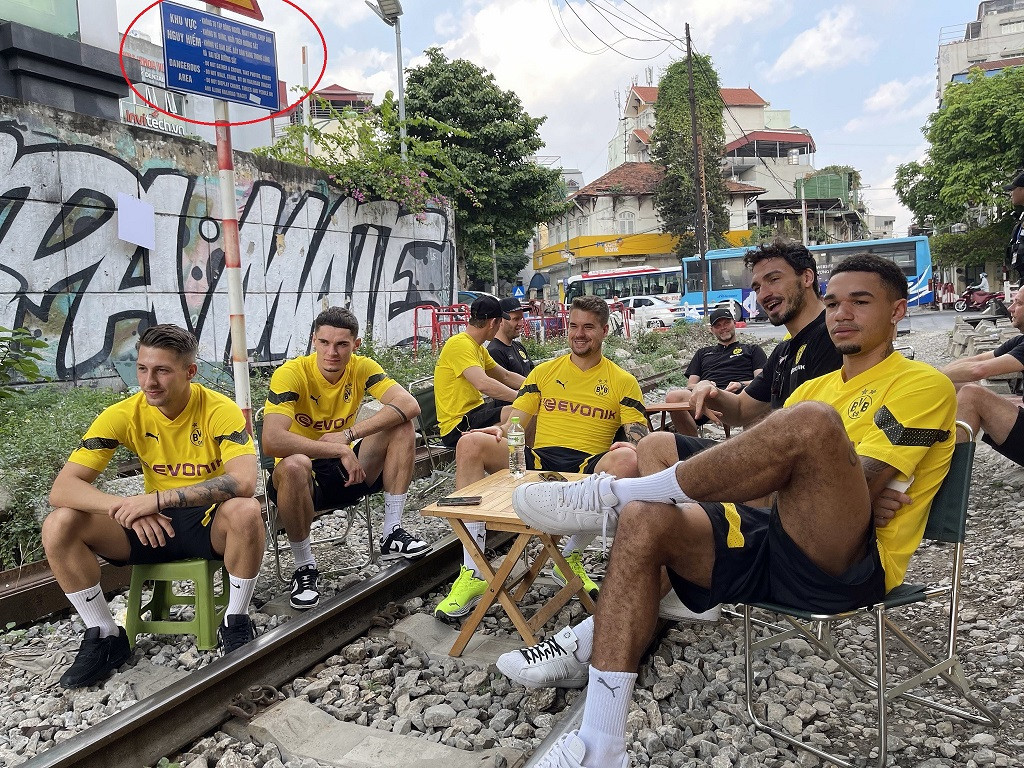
x,y
976,299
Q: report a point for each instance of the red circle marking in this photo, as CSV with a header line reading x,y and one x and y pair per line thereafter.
x,y
124,73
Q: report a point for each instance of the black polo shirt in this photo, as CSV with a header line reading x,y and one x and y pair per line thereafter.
x,y
806,356
723,363
512,357
1014,348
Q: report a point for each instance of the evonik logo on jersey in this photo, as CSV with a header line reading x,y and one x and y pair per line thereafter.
x,y
552,404
187,469
321,425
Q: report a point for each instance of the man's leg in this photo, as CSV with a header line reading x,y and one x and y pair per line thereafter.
x,y
393,453
802,453
71,540
682,421
476,454
237,534
293,483
984,409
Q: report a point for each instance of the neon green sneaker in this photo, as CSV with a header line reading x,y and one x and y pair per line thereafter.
x,y
575,561
463,597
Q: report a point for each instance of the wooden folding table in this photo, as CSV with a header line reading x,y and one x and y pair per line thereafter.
x,y
496,511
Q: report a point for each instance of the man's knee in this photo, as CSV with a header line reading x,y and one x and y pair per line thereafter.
x,y
472,446
978,398
811,420
622,462
242,517
60,526
655,452
677,396
294,469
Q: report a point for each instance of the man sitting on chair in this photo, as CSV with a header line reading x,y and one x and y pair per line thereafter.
x,y
729,364
200,475
834,449
580,400
324,459
1002,419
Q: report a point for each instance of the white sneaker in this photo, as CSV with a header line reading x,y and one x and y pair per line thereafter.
x,y
568,752
551,664
672,608
584,506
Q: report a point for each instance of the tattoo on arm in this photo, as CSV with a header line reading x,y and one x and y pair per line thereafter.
x,y
212,491
635,432
872,467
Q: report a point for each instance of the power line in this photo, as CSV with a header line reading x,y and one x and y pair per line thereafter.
x,y
560,23
611,46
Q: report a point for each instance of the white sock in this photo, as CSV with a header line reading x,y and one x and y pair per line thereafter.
x,y
239,595
584,639
479,533
302,552
93,608
661,486
394,506
603,731
578,541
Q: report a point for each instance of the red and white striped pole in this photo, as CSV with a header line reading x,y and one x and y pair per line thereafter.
x,y
232,261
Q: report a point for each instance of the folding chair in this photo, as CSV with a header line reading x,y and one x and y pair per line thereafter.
x,y
429,434
273,525
947,522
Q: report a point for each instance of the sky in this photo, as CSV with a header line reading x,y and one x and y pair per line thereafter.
x,y
861,77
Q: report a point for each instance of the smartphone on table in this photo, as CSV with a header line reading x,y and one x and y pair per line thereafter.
x,y
459,501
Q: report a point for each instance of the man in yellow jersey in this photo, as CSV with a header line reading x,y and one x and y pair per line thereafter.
x,y
324,459
200,475
465,372
841,440
580,400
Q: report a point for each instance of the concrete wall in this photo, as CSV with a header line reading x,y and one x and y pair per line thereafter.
x,y
65,274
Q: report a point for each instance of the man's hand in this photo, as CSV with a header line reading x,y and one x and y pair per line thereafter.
x,y
613,446
131,508
701,395
494,431
350,462
734,386
886,506
153,530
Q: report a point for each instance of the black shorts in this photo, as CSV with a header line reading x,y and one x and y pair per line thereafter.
x,y
556,459
484,415
687,446
1013,446
329,491
191,538
757,562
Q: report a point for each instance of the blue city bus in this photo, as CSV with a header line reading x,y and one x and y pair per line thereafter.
x,y
729,280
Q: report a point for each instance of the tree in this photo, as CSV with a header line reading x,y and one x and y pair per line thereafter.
x,y
673,148
976,140
507,193
18,358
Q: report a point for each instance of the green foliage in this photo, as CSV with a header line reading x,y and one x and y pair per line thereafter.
x,y
399,362
362,155
840,170
975,246
976,142
673,149
18,358
493,141
38,431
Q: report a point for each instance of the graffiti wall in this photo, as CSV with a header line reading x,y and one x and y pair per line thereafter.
x,y
66,275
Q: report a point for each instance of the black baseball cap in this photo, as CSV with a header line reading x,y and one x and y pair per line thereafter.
x,y
486,308
719,314
1018,181
511,304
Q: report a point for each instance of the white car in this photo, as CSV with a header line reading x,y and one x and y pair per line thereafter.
x,y
652,312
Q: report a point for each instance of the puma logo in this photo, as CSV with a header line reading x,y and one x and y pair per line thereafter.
x,y
315,399
155,437
90,599
609,687
559,382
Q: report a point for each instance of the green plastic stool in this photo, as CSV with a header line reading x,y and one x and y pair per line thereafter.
x,y
209,608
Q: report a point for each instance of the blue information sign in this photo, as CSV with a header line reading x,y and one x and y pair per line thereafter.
x,y
219,57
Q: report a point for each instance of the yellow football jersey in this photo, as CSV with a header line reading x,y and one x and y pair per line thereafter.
x,y
580,409
316,407
903,413
453,395
174,454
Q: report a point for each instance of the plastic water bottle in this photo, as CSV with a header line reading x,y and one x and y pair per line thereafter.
x,y
516,449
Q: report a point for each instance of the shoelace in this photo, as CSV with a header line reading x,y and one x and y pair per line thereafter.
x,y
549,649
235,635
305,580
403,537
585,494
557,758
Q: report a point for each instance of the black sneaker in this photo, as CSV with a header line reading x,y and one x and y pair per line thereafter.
x,y
97,658
400,543
235,632
305,593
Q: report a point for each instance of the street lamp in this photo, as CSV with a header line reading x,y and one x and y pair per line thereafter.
x,y
389,11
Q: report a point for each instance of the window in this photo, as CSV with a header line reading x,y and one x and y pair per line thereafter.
x,y
1011,27
627,223
581,226
729,273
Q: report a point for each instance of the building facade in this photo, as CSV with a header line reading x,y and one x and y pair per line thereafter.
x,y
993,41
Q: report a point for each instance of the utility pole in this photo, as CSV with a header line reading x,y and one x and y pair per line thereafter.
x,y
700,223
494,266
